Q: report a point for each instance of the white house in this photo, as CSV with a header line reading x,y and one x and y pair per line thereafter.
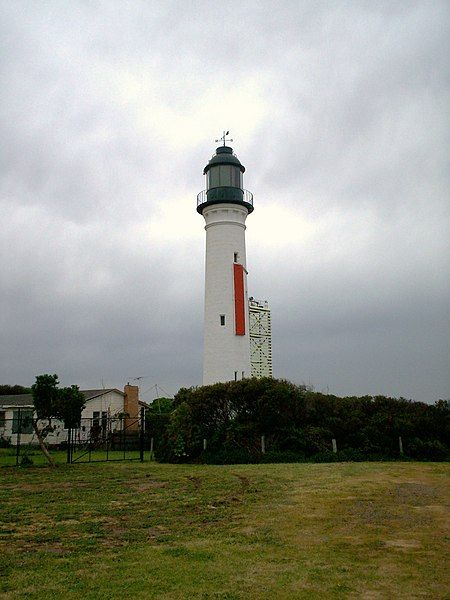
x,y
110,408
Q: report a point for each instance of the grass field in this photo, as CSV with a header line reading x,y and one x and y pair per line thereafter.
x,y
8,455
132,530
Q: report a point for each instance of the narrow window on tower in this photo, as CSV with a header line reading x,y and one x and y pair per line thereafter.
x,y
236,257
222,320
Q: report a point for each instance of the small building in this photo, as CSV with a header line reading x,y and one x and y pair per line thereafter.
x,y
260,331
109,409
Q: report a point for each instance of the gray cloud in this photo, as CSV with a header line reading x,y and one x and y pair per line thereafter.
x,y
340,115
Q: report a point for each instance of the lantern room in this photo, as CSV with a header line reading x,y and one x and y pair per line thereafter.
x,y
224,181
224,170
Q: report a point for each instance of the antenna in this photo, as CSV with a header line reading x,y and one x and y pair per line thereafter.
x,y
165,391
157,387
224,138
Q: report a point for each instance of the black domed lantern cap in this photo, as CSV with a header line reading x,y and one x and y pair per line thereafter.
x,y
224,181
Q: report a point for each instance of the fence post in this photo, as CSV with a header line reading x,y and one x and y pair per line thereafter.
x,y
151,448
204,443
400,445
333,441
263,445
69,444
89,439
123,436
19,430
141,435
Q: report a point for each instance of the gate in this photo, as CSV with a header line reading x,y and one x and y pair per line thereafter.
x,y
107,439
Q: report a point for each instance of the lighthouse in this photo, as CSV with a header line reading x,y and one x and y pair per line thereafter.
x,y
225,205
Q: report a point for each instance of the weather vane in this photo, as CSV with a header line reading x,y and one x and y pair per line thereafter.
x,y
224,138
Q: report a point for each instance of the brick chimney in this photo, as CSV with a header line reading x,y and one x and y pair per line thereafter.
x,y
131,407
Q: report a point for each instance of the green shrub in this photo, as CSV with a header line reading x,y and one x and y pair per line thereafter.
x,y
428,450
5,442
283,457
298,424
26,461
325,457
229,456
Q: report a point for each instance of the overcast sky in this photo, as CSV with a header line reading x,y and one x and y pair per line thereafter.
x,y
339,112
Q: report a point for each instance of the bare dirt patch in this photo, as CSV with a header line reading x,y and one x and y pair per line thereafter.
x,y
371,512
48,547
245,481
408,503
68,522
402,544
149,485
195,480
437,510
371,595
44,486
154,533
414,493
54,549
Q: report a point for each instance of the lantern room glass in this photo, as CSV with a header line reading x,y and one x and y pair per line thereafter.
x,y
224,176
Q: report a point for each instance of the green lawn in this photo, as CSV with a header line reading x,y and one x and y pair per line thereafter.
x,y
8,455
145,530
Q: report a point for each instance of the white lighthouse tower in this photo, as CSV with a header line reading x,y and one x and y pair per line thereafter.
x,y
225,206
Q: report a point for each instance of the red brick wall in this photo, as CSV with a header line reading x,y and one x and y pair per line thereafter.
x,y
131,407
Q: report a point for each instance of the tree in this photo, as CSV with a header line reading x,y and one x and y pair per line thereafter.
x,y
161,405
70,406
157,419
13,390
51,402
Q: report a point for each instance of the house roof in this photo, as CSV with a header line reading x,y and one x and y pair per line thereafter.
x,y
25,400
18,400
89,394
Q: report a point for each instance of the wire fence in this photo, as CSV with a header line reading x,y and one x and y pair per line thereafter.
x,y
99,439
124,437
218,449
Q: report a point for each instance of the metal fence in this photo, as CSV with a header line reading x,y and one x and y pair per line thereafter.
x,y
107,438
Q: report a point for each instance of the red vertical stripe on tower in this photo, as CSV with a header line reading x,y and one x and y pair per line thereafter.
x,y
239,305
